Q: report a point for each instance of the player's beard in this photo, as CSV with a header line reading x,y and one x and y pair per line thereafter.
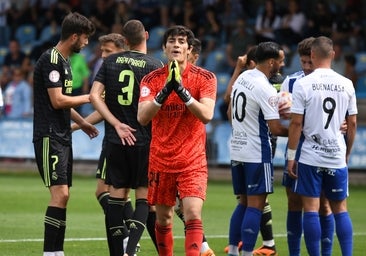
x,y
77,46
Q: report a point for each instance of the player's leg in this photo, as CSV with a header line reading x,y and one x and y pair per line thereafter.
x,y
150,225
327,226
192,191
238,182
162,194
294,216
309,186
116,176
268,245
54,162
102,190
338,201
102,194
205,247
137,170
235,226
138,221
255,173
294,221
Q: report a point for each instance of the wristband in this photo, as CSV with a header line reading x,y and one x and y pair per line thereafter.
x,y
157,103
189,102
291,153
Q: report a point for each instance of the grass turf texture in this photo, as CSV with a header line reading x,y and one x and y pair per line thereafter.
x,y
24,200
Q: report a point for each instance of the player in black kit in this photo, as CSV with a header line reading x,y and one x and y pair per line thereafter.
x,y
53,111
128,142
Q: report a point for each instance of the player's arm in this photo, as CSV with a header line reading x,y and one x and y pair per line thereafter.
x,y
149,108
87,127
93,118
99,104
61,101
202,108
294,132
146,111
240,65
124,131
351,133
277,128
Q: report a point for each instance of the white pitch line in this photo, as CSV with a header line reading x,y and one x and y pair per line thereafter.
x,y
143,237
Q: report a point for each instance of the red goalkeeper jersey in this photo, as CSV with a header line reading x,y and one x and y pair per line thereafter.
x,y
178,137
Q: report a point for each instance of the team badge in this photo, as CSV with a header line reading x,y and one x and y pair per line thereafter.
x,y
54,76
273,101
144,91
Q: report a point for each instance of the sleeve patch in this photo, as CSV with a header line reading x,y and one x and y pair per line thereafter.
x,y
54,76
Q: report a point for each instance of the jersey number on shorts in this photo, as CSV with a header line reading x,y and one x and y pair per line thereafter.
x,y
126,77
238,106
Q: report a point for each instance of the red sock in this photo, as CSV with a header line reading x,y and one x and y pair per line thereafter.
x,y
194,236
164,239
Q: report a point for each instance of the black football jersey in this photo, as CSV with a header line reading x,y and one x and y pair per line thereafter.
x,y
51,70
121,74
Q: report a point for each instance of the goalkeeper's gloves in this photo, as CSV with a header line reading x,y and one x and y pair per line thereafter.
x,y
168,88
182,92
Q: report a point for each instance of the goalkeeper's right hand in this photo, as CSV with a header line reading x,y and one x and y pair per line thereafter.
x,y
161,97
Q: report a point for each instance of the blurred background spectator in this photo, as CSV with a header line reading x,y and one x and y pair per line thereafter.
x,y
17,96
227,27
267,21
292,26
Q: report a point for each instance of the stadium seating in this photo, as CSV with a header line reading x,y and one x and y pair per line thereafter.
x,y
216,61
221,139
293,66
26,34
360,62
155,38
223,79
160,55
48,32
3,51
361,87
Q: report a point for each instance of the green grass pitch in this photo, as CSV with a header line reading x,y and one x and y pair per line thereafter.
x,y
24,199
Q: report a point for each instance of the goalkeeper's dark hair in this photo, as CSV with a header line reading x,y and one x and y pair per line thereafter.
x,y
304,47
179,30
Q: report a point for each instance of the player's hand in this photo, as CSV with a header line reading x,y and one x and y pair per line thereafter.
x,y
163,94
74,127
182,92
344,127
176,72
291,168
125,132
90,130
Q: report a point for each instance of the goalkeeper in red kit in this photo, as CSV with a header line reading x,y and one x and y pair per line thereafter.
x,y
179,100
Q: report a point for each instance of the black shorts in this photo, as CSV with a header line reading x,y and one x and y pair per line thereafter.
x,y
54,161
127,166
101,170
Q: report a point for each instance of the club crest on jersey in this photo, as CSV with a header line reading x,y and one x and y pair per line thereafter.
x,y
273,101
144,91
54,76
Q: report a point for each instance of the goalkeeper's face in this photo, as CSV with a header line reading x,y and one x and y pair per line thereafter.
x,y
177,48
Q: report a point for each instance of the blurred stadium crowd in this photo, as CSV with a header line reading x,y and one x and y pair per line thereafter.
x,y
226,29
